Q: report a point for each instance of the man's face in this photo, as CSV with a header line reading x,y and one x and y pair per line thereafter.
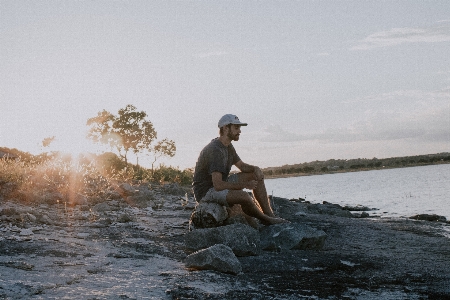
x,y
234,132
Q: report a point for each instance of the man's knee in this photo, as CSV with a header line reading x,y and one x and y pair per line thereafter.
x,y
244,177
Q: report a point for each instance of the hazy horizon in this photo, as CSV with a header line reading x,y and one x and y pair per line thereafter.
x,y
315,80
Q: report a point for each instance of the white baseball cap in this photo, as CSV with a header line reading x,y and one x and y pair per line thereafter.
x,y
230,119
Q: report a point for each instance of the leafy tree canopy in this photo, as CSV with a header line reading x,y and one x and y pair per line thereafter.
x,y
127,131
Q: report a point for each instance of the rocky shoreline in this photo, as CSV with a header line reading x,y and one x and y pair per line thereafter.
x,y
132,246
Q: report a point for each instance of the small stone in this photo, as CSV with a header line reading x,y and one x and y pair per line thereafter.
x,y
82,235
26,232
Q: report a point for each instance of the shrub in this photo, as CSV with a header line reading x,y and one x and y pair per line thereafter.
x,y
171,174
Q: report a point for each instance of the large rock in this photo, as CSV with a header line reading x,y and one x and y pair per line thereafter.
x,y
428,217
126,189
142,199
78,199
329,209
173,189
242,239
218,257
102,207
290,236
207,215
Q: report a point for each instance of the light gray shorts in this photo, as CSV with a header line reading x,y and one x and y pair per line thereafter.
x,y
219,197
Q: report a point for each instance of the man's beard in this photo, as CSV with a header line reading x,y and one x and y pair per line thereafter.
x,y
232,137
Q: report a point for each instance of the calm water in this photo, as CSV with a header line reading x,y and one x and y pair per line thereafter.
x,y
400,192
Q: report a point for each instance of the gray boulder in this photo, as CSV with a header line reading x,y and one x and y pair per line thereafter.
x,y
78,199
126,189
242,239
102,207
173,189
218,257
428,217
142,200
207,215
290,236
329,209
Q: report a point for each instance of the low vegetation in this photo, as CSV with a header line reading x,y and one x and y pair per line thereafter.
x,y
359,164
33,178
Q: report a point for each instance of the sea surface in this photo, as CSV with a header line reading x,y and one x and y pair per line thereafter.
x,y
401,192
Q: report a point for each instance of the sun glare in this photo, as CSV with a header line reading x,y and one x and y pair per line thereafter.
x,y
72,145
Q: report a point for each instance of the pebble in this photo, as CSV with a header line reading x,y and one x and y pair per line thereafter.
x,y
82,235
26,232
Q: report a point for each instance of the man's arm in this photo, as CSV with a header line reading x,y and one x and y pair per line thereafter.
x,y
220,185
246,168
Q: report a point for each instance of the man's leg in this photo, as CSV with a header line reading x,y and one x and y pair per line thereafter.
x,y
260,192
249,207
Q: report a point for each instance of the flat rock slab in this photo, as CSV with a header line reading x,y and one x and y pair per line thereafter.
x,y
290,236
218,257
242,239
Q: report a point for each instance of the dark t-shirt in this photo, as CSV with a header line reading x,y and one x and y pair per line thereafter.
x,y
215,157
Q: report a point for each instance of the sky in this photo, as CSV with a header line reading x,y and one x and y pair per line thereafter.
x,y
315,80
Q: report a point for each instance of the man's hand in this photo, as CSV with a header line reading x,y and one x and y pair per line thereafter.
x,y
259,174
251,185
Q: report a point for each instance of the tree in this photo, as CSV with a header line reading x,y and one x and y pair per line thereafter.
x,y
127,131
47,141
163,148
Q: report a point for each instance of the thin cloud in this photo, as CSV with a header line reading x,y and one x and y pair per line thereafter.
x,y
417,115
400,115
274,133
210,54
397,36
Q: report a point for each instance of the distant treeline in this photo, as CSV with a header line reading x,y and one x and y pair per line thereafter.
x,y
358,164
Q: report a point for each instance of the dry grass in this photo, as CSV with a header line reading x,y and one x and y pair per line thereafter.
x,y
59,178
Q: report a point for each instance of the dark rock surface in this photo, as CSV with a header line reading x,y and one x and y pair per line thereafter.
x,y
50,252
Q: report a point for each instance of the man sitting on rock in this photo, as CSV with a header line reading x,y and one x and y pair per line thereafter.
x,y
212,182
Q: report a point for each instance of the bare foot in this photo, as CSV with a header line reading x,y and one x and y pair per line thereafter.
x,y
278,220
274,220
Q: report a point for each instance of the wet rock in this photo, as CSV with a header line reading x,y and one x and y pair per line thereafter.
x,y
329,209
208,215
291,236
428,217
361,215
357,208
242,239
218,257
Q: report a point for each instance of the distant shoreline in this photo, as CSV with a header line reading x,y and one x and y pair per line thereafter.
x,y
277,176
